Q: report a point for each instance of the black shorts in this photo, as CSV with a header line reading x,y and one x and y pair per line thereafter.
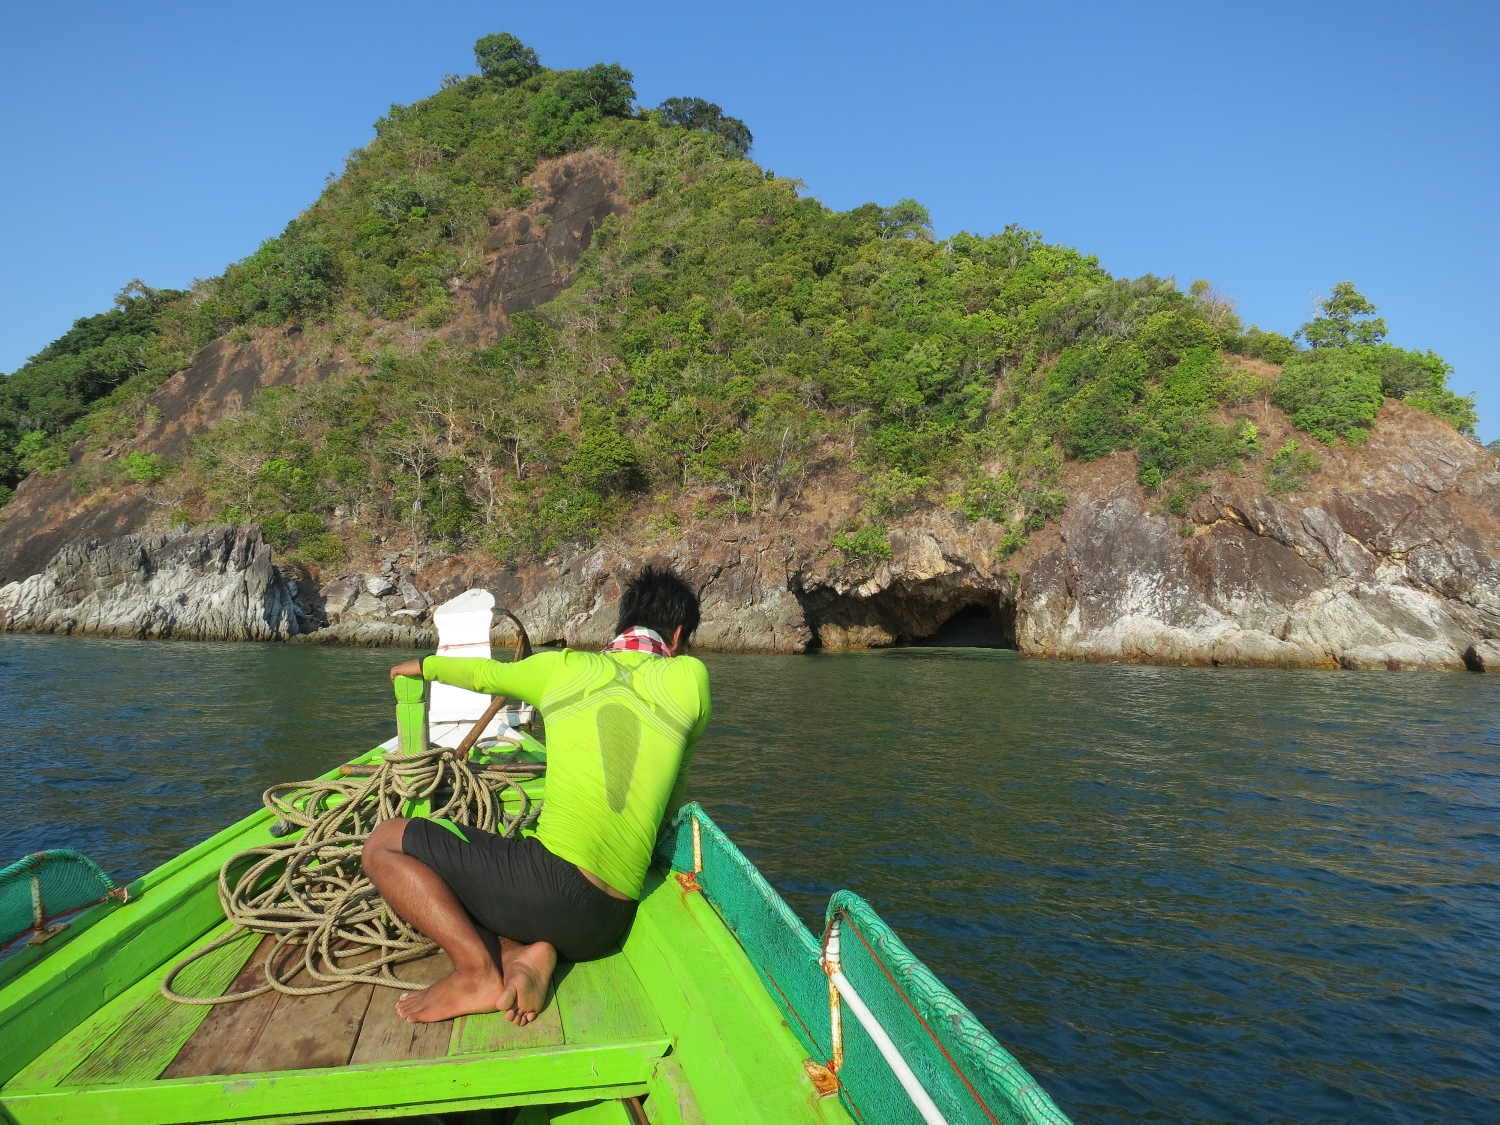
x,y
517,889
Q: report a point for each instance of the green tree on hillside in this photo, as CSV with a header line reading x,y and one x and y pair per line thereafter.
x,y
695,113
505,60
1345,317
1335,389
288,277
563,115
907,219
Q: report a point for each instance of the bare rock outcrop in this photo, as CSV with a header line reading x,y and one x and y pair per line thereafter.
x,y
536,250
213,583
1389,560
1483,656
381,610
745,577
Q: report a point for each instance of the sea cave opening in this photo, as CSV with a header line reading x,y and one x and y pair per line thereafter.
x,y
916,615
975,626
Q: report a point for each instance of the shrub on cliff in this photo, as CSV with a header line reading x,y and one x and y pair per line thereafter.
x,y
868,544
1331,393
144,468
294,275
695,113
1421,380
41,452
1272,347
1334,393
1289,468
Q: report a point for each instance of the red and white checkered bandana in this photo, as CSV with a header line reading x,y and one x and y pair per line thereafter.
x,y
639,639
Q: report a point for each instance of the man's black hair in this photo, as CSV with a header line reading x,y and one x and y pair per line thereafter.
x,y
658,599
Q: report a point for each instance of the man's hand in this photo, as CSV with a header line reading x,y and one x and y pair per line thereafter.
x,y
410,668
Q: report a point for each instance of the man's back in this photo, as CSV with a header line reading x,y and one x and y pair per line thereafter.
x,y
620,732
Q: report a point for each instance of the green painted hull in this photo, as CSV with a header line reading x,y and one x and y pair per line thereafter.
x,y
710,1012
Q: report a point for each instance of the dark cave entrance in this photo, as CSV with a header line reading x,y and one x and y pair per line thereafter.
x,y
922,614
974,626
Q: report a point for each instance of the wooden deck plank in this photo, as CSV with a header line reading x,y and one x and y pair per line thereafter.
x,y
173,907
145,1043
311,1032
386,1037
223,1042
603,1002
55,1063
672,1099
491,1031
376,1090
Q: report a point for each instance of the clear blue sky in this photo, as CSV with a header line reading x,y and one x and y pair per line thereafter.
x,y
1273,148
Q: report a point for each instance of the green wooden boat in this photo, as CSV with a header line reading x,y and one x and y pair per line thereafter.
x,y
721,1006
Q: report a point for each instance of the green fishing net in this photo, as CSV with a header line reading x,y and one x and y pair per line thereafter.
x,y
45,885
780,947
964,1070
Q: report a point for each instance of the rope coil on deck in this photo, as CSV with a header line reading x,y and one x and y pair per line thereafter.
x,y
320,902
311,892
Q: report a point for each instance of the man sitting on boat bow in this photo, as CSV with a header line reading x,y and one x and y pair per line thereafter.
x,y
621,725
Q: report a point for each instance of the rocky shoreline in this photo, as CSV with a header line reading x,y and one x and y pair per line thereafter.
x,y
1390,559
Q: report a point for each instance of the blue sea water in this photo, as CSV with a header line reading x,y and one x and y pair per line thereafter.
x,y
1187,895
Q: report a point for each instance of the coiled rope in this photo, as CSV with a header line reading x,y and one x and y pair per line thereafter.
x,y
311,892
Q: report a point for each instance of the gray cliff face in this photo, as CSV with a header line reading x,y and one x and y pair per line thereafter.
x,y
748,601
213,583
1390,559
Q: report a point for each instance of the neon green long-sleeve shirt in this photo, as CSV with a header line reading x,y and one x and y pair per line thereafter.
x,y
621,727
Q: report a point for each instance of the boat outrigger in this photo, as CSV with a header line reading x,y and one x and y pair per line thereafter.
x,y
719,1006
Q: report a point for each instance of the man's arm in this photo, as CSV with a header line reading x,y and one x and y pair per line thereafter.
x,y
412,668
525,680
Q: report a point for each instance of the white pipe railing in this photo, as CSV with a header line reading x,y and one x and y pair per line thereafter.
x,y
899,1067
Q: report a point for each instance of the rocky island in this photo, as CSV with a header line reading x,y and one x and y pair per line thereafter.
x,y
535,334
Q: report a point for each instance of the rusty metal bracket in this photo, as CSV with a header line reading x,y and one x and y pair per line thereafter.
x,y
824,1081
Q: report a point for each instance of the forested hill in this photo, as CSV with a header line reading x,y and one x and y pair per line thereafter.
x,y
726,344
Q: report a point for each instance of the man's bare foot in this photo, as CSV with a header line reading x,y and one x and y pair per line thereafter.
x,y
457,994
528,972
